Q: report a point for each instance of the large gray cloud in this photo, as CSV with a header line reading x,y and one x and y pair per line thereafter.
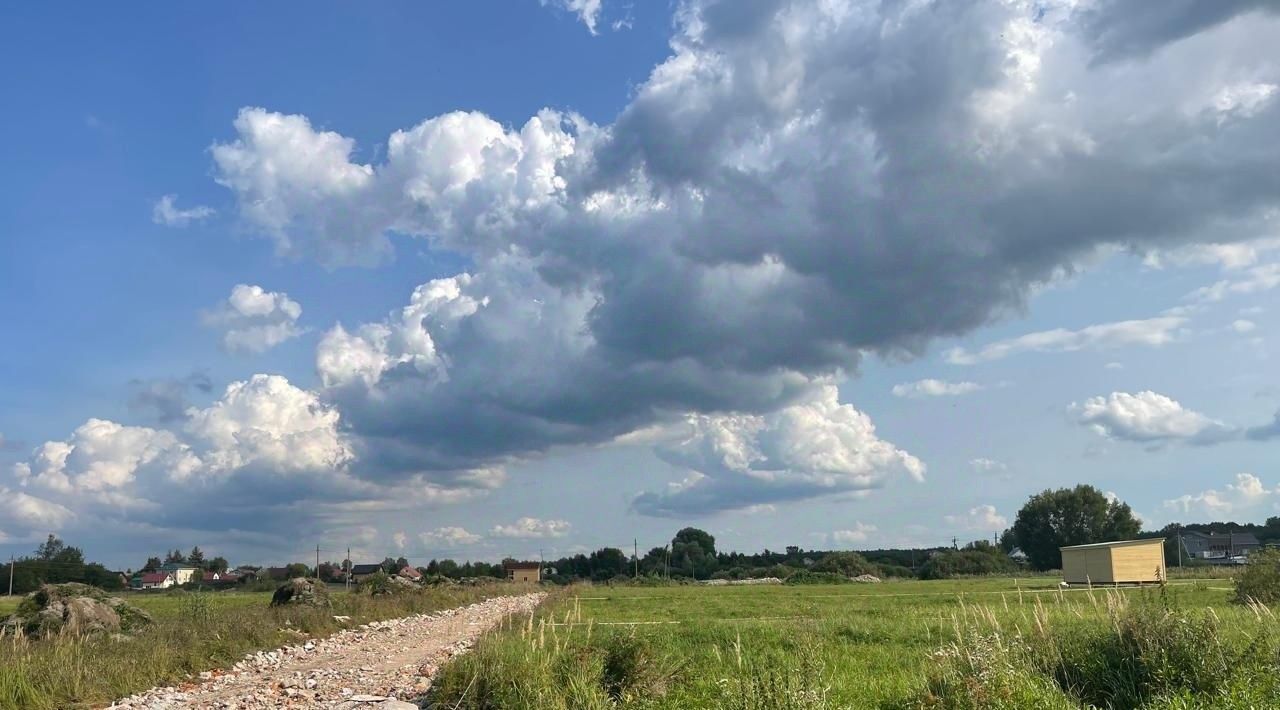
x,y
798,184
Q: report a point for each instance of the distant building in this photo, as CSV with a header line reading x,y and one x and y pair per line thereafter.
x,y
152,580
276,573
1222,548
182,573
409,573
523,571
362,572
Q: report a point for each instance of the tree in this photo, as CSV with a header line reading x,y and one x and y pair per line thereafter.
x,y
297,569
693,554
196,558
1070,516
401,563
175,557
153,564
50,549
217,564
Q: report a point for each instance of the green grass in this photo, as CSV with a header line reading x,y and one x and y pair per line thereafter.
x,y
777,646
192,633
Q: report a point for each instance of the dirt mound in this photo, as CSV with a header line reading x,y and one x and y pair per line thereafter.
x,y
305,592
75,609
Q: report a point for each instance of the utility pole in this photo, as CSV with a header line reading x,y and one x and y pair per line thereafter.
x,y
1179,550
348,566
10,575
317,563
635,555
953,544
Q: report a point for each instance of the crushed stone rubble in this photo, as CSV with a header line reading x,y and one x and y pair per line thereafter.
x,y
382,664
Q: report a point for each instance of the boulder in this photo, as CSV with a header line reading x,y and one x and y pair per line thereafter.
x,y
867,579
75,609
305,592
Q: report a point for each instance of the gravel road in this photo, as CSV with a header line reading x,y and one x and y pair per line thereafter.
x,y
377,665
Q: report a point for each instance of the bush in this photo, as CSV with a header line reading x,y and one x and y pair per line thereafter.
x,y
954,563
885,570
848,564
804,576
1260,580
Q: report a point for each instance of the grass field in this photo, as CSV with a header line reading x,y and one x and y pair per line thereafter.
x,y
842,646
192,633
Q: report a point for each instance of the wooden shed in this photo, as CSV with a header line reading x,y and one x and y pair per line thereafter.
x,y
1120,562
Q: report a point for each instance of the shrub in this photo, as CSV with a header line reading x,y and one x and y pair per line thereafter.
x,y
631,670
1260,580
848,564
804,576
954,563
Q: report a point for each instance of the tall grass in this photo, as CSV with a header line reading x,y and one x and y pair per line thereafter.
x,y
196,632
996,644
1147,652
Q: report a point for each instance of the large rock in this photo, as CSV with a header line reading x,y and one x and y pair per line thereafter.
x,y
75,609
867,579
306,592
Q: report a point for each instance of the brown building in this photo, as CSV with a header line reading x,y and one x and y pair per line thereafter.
x,y
1120,562
523,572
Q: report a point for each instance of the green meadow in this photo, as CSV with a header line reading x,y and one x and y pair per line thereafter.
x,y
889,645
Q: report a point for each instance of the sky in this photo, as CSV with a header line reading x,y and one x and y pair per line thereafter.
x,y
520,277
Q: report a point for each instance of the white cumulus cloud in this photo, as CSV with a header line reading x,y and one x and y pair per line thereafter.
x,y
934,388
1148,417
255,320
859,532
981,517
449,537
815,447
1246,495
532,528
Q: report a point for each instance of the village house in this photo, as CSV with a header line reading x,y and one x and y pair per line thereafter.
x,y
1221,548
182,573
151,580
409,573
362,572
523,571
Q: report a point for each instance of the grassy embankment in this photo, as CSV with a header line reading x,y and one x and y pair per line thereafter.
x,y
973,643
192,633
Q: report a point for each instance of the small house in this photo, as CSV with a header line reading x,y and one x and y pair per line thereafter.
x,y
155,580
362,572
524,571
409,573
182,573
1120,562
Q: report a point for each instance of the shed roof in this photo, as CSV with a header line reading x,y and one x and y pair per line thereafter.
x,y
522,565
366,569
1117,543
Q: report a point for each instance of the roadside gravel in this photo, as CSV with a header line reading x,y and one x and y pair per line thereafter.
x,y
382,664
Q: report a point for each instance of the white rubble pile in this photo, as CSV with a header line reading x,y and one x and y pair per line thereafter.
x,y
382,664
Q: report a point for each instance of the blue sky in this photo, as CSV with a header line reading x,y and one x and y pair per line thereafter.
x,y
815,273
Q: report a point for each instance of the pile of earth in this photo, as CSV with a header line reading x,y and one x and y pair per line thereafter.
x,y
301,592
74,608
